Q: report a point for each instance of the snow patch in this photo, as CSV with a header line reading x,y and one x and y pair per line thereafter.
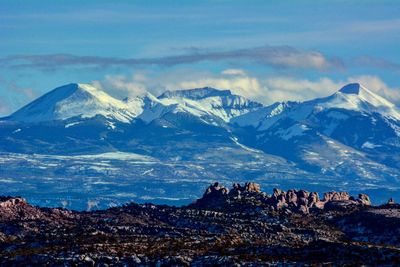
x,y
72,124
369,145
292,131
234,139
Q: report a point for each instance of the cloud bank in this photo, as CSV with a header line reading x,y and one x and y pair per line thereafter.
x,y
264,89
274,56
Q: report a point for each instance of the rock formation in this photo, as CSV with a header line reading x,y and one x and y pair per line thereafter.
x,y
241,226
300,201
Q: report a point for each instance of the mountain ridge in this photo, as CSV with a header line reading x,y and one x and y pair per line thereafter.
x,y
338,142
86,101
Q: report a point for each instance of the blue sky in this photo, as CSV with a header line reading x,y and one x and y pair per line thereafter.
x,y
266,50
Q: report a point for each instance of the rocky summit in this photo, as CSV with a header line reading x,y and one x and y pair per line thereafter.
x,y
238,226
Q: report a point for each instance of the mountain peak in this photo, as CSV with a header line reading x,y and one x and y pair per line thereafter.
x,y
208,101
355,92
196,93
352,88
71,100
72,88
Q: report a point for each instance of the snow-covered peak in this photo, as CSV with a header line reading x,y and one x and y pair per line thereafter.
x,y
352,97
73,100
209,102
86,101
356,97
196,93
357,91
146,107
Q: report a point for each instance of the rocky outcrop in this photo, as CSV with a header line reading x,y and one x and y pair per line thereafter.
x,y
336,196
17,208
6,202
214,196
300,201
249,188
364,199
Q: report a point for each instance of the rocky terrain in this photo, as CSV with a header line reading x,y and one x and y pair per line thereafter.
x,y
240,226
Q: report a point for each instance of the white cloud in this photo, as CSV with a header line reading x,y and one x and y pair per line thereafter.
x,y
375,26
27,92
233,72
122,86
4,108
267,90
288,88
234,79
14,96
237,81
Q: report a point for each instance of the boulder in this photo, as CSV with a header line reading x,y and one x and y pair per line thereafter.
x,y
277,192
303,209
214,196
336,196
364,199
291,197
302,194
313,199
6,202
252,187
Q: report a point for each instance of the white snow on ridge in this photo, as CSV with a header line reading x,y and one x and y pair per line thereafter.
x,y
353,97
292,131
366,95
72,124
73,100
209,101
260,116
115,156
234,139
356,97
86,101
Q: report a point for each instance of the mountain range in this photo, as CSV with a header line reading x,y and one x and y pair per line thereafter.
x,y
79,147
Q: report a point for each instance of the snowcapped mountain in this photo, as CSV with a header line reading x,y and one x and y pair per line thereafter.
x,y
73,100
86,101
209,102
352,97
353,117
350,139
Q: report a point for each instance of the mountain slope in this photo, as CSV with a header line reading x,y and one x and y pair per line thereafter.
x,y
208,101
73,100
353,116
352,97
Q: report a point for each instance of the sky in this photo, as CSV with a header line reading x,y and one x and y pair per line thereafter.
x,y
265,50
